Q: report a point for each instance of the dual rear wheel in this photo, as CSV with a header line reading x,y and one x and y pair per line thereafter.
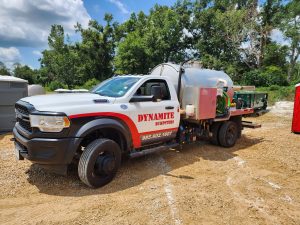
x,y
225,134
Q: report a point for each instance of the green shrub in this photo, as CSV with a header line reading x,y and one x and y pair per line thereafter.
x,y
89,84
274,87
53,85
274,76
279,94
271,75
254,77
294,82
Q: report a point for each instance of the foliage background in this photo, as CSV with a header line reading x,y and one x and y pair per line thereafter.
x,y
234,36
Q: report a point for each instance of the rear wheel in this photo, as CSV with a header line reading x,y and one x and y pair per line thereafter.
x,y
228,134
99,162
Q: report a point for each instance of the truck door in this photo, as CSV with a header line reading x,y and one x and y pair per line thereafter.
x,y
158,120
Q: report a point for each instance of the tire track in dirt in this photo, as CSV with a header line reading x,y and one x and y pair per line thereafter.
x,y
258,203
168,187
234,182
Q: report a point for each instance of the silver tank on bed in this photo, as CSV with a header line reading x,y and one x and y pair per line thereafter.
x,y
193,79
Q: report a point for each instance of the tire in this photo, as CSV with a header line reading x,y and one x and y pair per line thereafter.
x,y
265,104
99,162
228,134
215,127
238,121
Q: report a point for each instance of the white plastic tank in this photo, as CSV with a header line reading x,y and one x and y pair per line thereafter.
x,y
190,110
35,89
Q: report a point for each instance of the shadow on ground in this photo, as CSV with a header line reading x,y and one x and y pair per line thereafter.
x,y
135,171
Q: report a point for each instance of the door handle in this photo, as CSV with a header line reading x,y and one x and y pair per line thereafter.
x,y
169,107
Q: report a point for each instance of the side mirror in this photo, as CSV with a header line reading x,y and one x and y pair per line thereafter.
x,y
156,92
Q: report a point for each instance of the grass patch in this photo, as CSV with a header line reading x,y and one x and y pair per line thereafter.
x,y
278,93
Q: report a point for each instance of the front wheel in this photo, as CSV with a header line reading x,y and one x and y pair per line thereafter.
x,y
99,162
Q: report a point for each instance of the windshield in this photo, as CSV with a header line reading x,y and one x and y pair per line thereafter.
x,y
115,87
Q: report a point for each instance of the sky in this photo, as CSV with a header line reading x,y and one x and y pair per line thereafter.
x,y
25,24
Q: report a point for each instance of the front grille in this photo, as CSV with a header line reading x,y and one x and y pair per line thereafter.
x,y
22,114
22,109
25,124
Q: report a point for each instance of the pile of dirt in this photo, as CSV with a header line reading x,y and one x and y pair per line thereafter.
x,y
283,108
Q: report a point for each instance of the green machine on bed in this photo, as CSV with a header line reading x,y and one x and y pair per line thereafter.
x,y
251,99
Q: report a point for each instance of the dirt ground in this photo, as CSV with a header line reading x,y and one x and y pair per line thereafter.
x,y
255,182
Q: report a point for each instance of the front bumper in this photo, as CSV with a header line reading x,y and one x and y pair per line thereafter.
x,y
46,151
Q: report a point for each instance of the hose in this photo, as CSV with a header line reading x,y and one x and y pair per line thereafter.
x,y
222,104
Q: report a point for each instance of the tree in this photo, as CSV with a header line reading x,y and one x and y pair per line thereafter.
x,y
4,70
234,36
290,26
60,61
262,19
218,30
131,56
150,40
268,21
74,64
25,72
275,54
165,36
97,49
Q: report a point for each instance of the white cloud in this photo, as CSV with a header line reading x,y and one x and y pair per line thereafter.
x,y
187,33
120,6
38,53
96,8
277,36
27,23
9,55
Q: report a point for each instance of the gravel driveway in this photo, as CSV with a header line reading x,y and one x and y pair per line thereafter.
x,y
255,182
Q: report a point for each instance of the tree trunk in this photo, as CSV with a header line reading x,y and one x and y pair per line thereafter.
x,y
290,72
293,60
261,48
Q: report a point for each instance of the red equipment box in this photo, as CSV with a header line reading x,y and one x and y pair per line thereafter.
x,y
296,115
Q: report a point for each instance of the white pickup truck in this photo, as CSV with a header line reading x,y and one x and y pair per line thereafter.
x,y
127,115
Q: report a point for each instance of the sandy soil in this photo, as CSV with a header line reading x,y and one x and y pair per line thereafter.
x,y
255,182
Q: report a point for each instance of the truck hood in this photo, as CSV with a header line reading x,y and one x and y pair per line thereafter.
x,y
60,102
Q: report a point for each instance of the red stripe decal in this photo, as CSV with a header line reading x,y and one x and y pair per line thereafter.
x,y
134,132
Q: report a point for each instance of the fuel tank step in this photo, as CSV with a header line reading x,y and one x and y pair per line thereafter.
x,y
148,151
248,124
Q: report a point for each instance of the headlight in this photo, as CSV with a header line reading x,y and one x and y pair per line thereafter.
x,y
49,123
